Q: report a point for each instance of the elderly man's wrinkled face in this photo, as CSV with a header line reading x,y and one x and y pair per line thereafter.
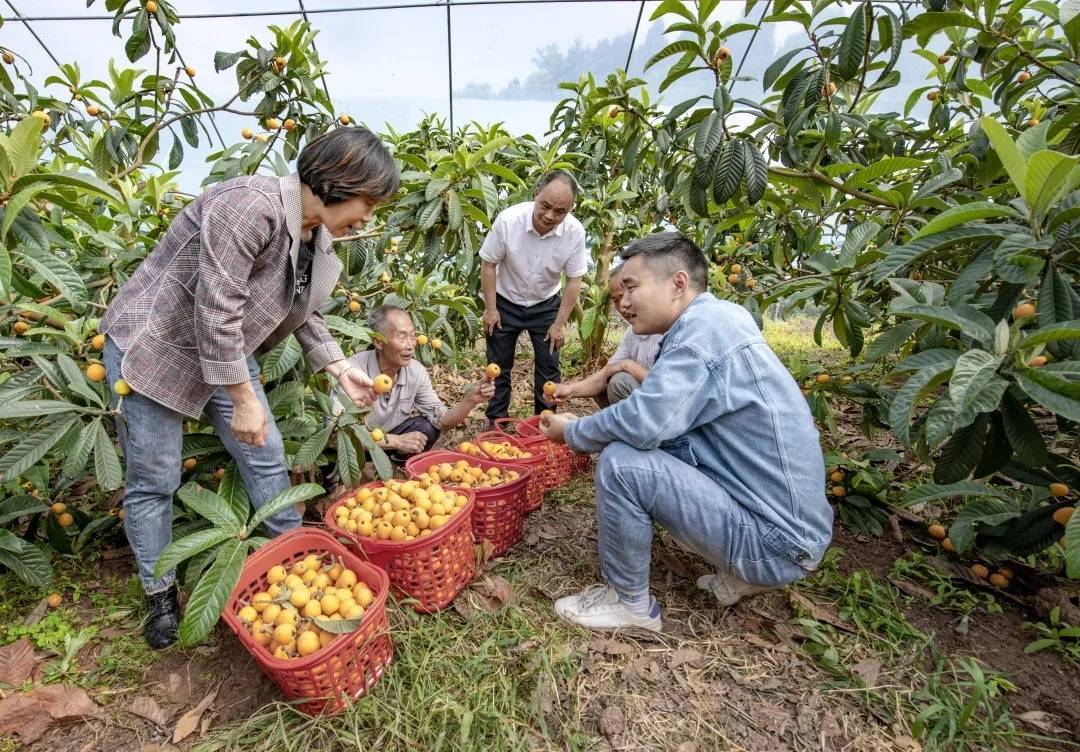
x,y
551,205
397,350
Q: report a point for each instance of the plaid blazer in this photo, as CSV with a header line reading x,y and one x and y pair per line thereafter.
x,y
220,288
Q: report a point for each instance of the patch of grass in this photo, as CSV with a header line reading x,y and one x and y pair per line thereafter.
x,y
493,681
875,654
793,341
947,594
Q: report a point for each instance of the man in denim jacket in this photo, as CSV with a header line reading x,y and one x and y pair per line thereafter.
x,y
717,445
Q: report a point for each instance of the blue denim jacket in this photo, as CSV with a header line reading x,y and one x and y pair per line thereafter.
x,y
719,399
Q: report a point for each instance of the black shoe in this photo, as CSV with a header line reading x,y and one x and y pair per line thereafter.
x,y
162,618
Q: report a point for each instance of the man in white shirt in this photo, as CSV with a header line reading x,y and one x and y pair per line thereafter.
x,y
530,246
627,367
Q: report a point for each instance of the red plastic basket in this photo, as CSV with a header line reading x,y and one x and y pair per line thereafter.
x,y
431,570
499,513
560,465
348,667
537,464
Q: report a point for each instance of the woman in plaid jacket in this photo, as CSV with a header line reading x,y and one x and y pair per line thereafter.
x,y
243,266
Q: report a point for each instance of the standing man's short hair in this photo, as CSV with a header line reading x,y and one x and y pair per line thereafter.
x,y
551,177
666,253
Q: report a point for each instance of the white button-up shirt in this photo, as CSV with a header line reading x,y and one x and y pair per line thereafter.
x,y
530,265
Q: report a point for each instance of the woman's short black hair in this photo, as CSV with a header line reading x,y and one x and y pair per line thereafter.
x,y
348,162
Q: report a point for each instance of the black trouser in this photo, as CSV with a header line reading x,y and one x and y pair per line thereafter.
x,y
415,423
536,320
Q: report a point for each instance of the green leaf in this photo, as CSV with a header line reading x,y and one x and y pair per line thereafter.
x,y
209,596
32,449
84,182
14,507
709,133
232,490
853,44
1007,152
59,273
348,464
960,453
957,215
971,372
23,145
1049,176
1056,394
855,242
1053,333
19,202
757,172
188,546
891,340
106,464
453,209
962,318
281,359
983,511
209,505
934,492
28,562
375,452
768,78
338,626
897,257
289,497
1022,433
908,396
729,172
675,48
1072,547
311,449
887,167
932,23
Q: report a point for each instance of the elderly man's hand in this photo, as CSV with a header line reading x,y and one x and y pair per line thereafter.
x,y
407,443
554,425
357,386
480,392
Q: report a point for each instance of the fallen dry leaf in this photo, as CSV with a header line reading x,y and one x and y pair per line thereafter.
x,y
145,707
29,714
868,670
610,647
688,656
189,721
495,593
1043,721
16,662
817,612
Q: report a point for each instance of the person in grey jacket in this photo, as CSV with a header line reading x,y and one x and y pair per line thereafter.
x,y
717,445
242,267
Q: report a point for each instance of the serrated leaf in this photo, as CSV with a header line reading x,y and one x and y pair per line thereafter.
x,y
348,464
1058,395
957,215
757,172
188,546
729,172
897,257
28,562
209,505
232,490
891,340
853,44
960,453
209,596
32,449
908,396
855,242
288,497
971,372
1007,151
311,449
983,511
106,464
14,507
281,359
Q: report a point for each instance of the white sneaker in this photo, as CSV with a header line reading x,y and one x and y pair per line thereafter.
x,y
598,607
728,588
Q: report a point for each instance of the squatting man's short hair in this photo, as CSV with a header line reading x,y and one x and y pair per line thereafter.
x,y
666,253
